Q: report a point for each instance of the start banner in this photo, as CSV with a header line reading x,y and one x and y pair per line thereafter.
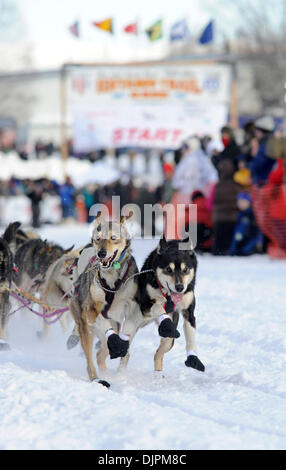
x,y
144,126
146,105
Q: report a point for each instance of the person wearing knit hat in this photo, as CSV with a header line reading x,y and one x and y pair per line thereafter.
x,y
244,195
231,150
265,124
262,164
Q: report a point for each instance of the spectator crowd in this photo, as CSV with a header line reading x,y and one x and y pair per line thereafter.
x,y
239,190
241,208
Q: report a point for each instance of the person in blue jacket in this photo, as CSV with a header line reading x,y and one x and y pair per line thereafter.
x,y
247,238
67,194
261,164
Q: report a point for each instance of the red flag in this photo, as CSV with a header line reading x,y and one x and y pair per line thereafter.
x,y
131,28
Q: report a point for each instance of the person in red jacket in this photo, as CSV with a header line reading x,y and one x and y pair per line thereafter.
x,y
204,222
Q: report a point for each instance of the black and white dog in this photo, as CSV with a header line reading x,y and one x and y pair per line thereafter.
x,y
166,289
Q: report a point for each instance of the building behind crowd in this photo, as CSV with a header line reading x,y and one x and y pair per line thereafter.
x,y
35,99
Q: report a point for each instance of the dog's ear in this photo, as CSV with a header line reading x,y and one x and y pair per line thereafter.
x,y
162,245
123,218
187,244
77,252
98,218
68,250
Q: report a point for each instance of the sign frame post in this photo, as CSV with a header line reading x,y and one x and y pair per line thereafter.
x,y
63,112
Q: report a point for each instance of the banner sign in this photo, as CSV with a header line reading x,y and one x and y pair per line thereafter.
x,y
145,126
150,106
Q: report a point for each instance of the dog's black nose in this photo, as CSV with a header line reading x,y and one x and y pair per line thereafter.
x,y
179,287
102,254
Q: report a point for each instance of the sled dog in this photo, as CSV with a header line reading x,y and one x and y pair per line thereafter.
x,y
165,290
104,292
57,289
7,247
32,260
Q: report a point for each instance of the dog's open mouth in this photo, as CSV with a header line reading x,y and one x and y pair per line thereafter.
x,y
176,296
105,263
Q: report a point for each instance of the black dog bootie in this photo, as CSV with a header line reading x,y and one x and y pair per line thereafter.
x,y
167,329
195,363
117,347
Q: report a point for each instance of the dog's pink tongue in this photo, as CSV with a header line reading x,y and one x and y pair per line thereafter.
x,y
176,297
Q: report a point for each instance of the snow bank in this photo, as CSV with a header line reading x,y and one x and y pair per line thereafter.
x,y
47,401
80,171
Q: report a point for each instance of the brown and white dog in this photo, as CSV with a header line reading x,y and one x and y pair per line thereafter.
x,y
105,292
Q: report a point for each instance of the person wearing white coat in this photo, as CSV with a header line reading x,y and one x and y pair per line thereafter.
x,y
194,172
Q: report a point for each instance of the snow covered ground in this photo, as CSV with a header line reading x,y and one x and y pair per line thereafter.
x,y
47,402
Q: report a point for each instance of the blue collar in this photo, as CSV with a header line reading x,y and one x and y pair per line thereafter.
x,y
122,255
117,264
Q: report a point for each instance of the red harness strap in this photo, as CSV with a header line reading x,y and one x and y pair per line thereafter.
x,y
161,288
169,305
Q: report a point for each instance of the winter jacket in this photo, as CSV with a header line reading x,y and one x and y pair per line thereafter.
x,y
247,237
203,213
194,172
261,165
276,176
203,220
230,152
225,194
276,148
67,194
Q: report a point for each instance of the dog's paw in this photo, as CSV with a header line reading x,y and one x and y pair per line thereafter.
x,y
4,346
102,382
195,363
72,341
117,347
167,329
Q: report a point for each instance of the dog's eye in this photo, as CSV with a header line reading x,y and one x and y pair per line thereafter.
x,y
113,237
169,270
186,270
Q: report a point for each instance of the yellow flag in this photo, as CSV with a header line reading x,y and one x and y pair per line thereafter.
x,y
106,25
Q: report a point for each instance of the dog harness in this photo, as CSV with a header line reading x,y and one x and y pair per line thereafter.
x,y
109,295
169,305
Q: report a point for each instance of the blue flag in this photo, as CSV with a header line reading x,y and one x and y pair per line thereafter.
x,y
207,35
179,31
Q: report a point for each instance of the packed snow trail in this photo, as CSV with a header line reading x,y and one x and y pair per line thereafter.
x,y
239,402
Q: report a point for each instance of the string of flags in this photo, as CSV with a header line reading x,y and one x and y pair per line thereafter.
x,y
178,32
